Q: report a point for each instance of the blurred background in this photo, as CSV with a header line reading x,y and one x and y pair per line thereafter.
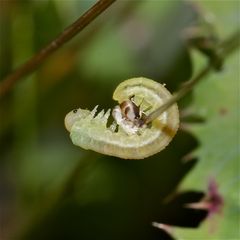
x,y
51,189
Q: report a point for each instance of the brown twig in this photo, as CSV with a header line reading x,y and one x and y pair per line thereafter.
x,y
225,49
71,31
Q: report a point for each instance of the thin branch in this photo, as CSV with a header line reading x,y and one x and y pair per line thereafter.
x,y
71,31
225,49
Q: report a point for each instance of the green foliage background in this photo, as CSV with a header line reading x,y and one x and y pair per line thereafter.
x,y
52,187
217,99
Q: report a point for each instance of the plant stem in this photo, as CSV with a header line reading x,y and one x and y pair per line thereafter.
x,y
225,49
7,84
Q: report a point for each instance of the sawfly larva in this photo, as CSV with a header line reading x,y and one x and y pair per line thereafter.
x,y
128,136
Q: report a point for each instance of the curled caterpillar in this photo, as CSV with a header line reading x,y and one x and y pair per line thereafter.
x,y
128,136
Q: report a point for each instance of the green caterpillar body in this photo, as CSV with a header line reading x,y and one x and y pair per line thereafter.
x,y
89,130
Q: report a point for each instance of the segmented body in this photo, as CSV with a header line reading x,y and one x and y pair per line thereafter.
x,y
89,130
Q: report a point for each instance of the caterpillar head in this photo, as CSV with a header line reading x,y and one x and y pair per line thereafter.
x,y
74,116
